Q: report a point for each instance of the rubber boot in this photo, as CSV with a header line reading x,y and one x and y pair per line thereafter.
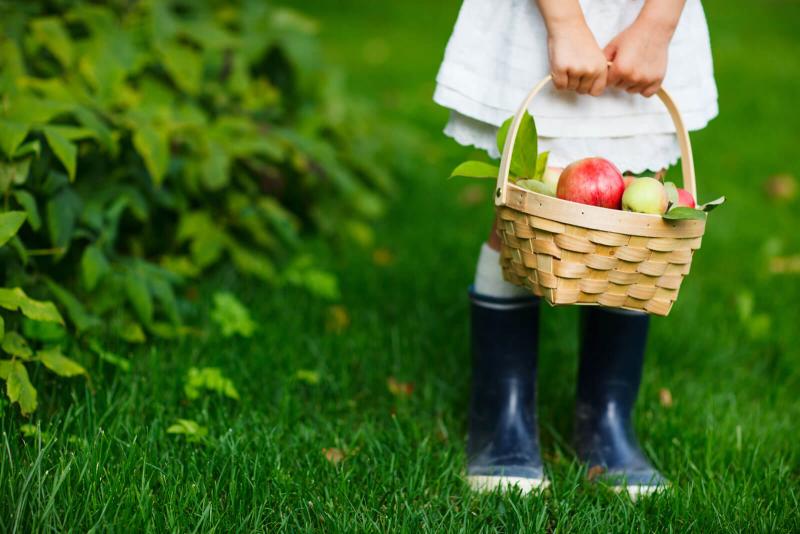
x,y
503,440
610,371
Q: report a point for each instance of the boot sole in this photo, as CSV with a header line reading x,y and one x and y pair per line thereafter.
x,y
639,491
483,483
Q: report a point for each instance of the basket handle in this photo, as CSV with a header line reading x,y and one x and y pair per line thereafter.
x,y
680,130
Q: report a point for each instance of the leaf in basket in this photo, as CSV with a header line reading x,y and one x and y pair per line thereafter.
x,y
708,206
682,213
672,193
476,169
538,187
541,164
526,150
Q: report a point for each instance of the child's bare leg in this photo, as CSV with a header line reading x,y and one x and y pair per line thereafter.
x,y
489,275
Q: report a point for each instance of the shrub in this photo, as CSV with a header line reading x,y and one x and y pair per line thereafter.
x,y
143,144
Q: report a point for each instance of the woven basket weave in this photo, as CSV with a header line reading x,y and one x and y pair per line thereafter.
x,y
570,253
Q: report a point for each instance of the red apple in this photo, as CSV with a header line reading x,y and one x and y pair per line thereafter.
x,y
593,181
685,198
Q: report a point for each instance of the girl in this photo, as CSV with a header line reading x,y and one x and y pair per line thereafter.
x,y
606,58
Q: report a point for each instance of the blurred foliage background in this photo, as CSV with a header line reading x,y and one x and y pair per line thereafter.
x,y
145,142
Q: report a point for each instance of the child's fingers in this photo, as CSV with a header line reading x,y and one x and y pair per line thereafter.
x,y
614,77
599,85
573,81
651,89
585,84
635,88
560,78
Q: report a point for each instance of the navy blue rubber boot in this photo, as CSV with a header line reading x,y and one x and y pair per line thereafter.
x,y
610,372
503,440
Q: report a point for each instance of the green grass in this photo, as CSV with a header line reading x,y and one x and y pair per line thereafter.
x,y
729,442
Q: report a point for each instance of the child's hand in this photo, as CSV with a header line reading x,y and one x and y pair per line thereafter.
x,y
576,60
639,58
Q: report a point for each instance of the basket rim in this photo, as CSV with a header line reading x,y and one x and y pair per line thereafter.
x,y
597,218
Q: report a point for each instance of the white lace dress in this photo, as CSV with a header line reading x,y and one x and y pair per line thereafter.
x,y
498,52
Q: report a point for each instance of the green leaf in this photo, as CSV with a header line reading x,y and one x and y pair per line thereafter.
x,y
12,133
2,328
110,357
16,299
252,262
50,33
71,133
128,329
94,266
62,211
98,128
190,429
708,206
5,369
28,202
33,431
53,359
163,292
308,376
541,164
14,172
139,296
63,148
19,388
526,150
10,223
215,167
16,345
184,65
476,169
302,273
211,379
31,148
682,213
76,312
231,315
42,330
152,144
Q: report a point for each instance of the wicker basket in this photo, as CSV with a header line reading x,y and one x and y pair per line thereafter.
x,y
570,253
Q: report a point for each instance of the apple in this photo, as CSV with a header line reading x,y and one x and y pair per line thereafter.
x,y
685,198
645,195
593,181
538,187
551,176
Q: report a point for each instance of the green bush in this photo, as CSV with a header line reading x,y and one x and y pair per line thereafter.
x,y
144,143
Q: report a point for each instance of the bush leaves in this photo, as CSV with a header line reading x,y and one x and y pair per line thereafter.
x,y
259,149
58,363
211,379
65,151
231,315
16,299
10,223
19,388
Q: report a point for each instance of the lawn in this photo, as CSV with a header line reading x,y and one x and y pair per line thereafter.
x,y
335,448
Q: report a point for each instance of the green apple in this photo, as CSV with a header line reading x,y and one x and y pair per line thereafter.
x,y
551,176
538,187
645,195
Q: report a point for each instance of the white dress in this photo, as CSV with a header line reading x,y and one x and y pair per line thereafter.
x,y
498,52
